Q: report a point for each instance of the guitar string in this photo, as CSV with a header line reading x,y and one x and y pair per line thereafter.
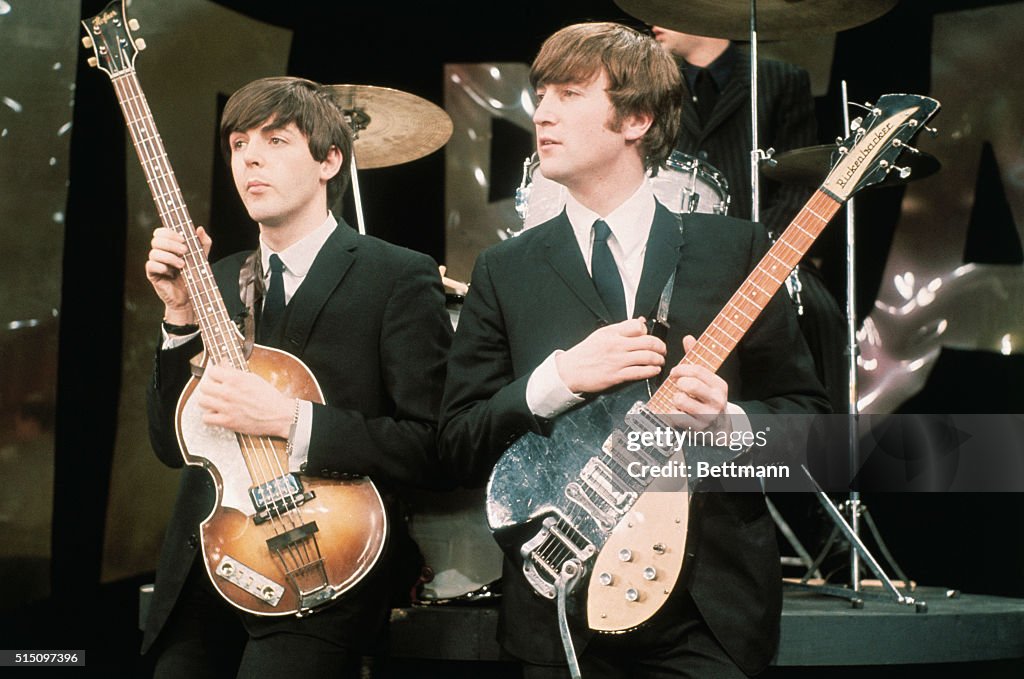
x,y
172,208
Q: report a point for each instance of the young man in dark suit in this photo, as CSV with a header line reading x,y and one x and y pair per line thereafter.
x,y
556,316
365,316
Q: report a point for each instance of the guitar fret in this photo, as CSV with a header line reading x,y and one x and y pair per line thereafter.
x,y
736,307
714,324
751,301
773,279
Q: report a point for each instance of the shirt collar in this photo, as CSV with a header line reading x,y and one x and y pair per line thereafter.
x,y
298,257
720,69
630,222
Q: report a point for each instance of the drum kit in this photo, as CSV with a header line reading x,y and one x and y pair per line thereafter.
x,y
392,127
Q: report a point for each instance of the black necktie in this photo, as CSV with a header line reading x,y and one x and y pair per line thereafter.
x,y
705,94
606,274
273,304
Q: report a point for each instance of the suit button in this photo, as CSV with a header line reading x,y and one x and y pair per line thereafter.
x,y
601,323
302,468
325,472
193,540
335,475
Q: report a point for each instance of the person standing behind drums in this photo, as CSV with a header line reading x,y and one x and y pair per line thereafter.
x,y
716,130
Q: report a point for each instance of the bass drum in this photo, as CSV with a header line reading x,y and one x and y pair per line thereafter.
x,y
683,184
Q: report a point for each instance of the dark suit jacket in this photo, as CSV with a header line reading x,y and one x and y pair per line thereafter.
x,y
369,321
532,295
786,121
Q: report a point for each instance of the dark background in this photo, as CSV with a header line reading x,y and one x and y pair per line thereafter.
x,y
969,542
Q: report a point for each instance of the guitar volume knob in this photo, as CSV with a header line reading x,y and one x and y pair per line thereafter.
x,y
632,594
625,554
650,573
605,579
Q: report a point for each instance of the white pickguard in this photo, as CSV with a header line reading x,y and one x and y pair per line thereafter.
x,y
220,447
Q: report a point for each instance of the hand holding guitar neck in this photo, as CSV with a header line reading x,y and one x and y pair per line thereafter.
x,y
699,396
164,271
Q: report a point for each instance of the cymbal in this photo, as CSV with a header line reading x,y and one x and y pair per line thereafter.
x,y
810,165
391,127
776,19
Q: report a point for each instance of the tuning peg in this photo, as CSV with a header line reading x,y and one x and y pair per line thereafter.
x,y
133,24
87,42
901,144
904,172
856,123
92,62
932,131
140,44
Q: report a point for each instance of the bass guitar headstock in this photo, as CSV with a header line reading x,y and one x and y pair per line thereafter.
x,y
109,36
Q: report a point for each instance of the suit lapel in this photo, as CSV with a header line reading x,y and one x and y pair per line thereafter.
x,y
563,255
660,260
329,268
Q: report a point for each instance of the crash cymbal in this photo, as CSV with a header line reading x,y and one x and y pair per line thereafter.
x,y
809,166
391,127
776,19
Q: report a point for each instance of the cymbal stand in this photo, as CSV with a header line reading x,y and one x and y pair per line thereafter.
x,y
357,121
757,156
356,197
851,530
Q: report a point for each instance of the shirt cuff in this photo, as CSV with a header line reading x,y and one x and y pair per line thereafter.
x,y
546,393
737,418
301,438
174,341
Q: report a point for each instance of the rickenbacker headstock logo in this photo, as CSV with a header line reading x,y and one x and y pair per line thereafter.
x,y
878,136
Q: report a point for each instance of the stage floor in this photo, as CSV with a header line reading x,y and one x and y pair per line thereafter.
x,y
817,630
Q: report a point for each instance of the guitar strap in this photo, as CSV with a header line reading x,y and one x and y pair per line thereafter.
x,y
251,289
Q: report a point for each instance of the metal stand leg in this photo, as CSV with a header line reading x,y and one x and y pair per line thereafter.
x,y
851,530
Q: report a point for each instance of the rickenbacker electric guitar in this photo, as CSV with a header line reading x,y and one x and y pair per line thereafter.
x,y
275,543
566,508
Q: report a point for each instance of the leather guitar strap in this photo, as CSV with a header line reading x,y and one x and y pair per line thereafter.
x,y
251,290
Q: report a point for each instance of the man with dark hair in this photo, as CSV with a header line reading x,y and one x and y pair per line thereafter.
x,y
365,316
557,315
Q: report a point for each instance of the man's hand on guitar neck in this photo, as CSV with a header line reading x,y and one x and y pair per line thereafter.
x,y
701,397
245,403
622,352
163,269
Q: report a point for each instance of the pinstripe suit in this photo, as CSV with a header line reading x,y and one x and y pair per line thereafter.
x,y
785,121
